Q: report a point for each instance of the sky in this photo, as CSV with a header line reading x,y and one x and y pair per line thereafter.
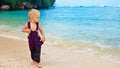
x,y
87,2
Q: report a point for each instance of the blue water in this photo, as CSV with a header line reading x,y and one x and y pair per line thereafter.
x,y
96,25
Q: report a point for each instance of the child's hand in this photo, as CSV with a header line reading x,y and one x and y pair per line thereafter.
x,y
42,33
43,39
28,31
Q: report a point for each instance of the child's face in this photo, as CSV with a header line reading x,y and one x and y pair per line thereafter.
x,y
34,16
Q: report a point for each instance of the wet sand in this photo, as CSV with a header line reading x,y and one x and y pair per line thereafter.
x,y
15,53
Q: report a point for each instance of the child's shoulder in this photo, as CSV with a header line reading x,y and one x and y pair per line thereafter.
x,y
27,24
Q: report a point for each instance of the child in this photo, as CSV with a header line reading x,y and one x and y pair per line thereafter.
x,y
34,40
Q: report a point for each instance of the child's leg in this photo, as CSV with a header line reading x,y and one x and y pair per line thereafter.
x,y
37,56
32,49
38,44
33,54
37,53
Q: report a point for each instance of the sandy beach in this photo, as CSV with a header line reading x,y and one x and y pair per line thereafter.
x,y
15,54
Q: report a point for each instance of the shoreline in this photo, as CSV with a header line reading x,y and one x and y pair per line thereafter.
x,y
17,51
64,42
85,48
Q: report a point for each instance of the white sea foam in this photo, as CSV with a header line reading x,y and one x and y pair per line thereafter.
x,y
89,51
4,27
13,37
102,46
114,59
55,43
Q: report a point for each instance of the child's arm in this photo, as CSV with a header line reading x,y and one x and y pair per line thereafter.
x,y
26,29
42,33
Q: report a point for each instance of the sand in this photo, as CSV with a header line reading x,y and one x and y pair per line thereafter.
x,y
14,53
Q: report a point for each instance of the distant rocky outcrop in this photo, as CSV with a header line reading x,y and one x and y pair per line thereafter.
x,y
5,7
25,4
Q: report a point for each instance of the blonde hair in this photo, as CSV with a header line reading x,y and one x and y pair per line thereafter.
x,y
33,13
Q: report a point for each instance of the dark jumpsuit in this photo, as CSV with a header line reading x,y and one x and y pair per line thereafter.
x,y
34,44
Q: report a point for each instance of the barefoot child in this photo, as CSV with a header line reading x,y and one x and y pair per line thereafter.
x,y
35,41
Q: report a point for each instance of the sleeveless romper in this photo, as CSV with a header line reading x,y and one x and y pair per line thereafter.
x,y
34,44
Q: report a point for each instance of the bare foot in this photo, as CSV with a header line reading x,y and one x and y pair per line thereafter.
x,y
33,62
38,65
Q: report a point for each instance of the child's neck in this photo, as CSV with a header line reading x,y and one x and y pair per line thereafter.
x,y
32,22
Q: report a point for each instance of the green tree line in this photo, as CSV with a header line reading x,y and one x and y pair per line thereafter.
x,y
16,4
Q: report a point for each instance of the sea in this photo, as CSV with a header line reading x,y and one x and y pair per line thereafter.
x,y
94,28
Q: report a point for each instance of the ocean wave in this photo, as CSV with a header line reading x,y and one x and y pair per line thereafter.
x,y
4,27
13,37
102,46
115,59
89,51
54,43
